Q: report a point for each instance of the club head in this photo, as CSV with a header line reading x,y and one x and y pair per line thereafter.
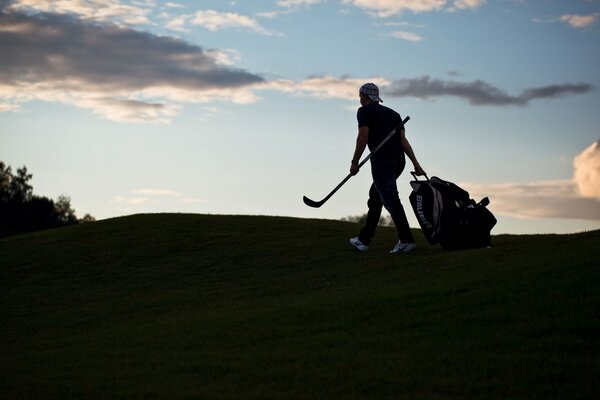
x,y
312,203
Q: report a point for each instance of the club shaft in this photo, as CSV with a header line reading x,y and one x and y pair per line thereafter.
x,y
312,203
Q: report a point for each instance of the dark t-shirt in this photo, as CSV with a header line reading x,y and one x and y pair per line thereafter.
x,y
381,120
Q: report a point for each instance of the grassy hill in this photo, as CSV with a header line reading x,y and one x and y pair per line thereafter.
x,y
231,307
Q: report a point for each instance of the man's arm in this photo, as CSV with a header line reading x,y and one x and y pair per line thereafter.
x,y
361,143
410,153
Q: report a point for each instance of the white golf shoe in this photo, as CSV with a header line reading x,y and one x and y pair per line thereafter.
x,y
355,241
403,247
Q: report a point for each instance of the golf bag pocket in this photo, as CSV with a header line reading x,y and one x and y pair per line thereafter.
x,y
428,205
472,229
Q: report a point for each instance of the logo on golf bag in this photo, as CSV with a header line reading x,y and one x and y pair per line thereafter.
x,y
426,224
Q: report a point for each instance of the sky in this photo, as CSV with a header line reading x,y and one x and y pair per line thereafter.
x,y
243,107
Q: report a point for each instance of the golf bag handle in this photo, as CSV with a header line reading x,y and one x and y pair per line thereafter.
x,y
414,174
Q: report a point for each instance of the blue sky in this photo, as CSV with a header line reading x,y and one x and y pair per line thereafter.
x,y
243,107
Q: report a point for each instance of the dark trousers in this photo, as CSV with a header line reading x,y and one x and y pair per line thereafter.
x,y
384,193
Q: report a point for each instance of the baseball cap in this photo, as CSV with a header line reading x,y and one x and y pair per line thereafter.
x,y
371,90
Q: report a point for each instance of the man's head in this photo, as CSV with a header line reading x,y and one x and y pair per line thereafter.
x,y
369,91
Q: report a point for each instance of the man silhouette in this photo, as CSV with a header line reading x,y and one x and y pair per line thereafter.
x,y
375,121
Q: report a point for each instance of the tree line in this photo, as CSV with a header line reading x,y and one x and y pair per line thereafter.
x,y
21,211
385,220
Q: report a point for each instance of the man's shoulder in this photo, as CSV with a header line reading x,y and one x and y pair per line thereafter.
x,y
368,108
388,110
374,107
376,111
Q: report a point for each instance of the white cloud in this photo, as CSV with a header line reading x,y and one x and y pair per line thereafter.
x,y
466,4
326,87
580,21
288,7
587,171
403,24
154,199
389,8
215,20
408,36
224,57
238,95
547,199
270,14
115,106
174,5
578,198
124,110
177,23
157,192
296,3
8,107
97,10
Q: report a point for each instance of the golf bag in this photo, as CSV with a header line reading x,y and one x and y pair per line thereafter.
x,y
448,215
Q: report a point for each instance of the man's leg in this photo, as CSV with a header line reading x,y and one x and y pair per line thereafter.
x,y
384,179
373,215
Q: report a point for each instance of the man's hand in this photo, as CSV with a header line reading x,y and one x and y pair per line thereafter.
x,y
354,168
418,170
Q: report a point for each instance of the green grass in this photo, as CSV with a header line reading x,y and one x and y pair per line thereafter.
x,y
217,307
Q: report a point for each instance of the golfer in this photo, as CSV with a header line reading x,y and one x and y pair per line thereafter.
x,y
375,121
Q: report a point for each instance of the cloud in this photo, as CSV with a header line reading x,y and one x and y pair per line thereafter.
x,y
578,198
5,107
129,110
151,198
587,171
466,4
174,5
408,36
548,199
323,87
119,73
225,56
580,21
555,91
130,201
177,23
389,8
214,21
99,10
129,75
402,24
296,3
478,92
158,192
288,7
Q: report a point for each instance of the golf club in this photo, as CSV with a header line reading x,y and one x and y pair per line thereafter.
x,y
317,204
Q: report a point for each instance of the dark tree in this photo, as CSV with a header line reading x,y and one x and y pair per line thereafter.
x,y
66,215
5,182
87,218
21,211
